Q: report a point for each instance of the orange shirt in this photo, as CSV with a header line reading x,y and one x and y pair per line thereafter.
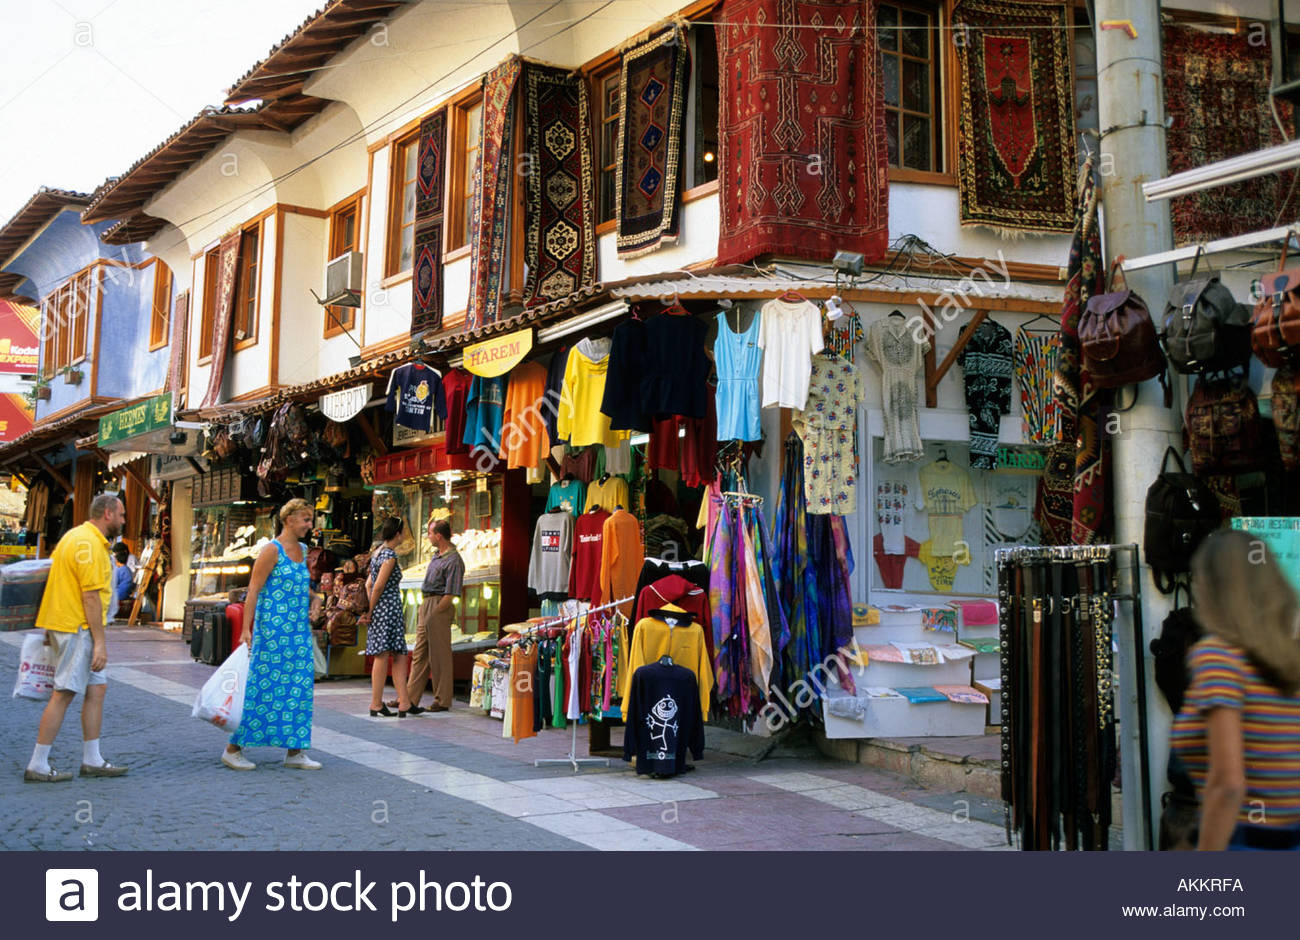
x,y
524,439
621,557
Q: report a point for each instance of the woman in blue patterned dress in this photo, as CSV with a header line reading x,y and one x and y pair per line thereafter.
x,y
281,669
386,637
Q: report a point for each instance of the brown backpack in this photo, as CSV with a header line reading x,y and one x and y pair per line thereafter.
x,y
1276,321
1119,341
1223,427
342,628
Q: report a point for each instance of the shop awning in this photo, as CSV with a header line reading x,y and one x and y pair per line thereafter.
x,y
147,427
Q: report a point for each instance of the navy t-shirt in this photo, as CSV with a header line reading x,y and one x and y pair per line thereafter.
x,y
414,395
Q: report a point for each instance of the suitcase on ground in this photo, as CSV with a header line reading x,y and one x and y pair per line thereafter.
x,y
235,624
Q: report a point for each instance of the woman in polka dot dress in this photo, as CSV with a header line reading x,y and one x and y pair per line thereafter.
x,y
386,639
279,693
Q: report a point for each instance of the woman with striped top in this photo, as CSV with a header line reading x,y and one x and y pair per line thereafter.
x,y
1239,728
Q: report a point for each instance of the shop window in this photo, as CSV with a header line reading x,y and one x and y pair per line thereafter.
x,y
246,287
161,312
606,92
705,106
909,38
401,208
467,130
344,225
211,274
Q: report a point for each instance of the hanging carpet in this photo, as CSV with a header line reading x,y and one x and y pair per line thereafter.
x,y
426,280
227,268
1216,95
491,205
559,213
180,331
1083,406
1016,159
804,166
652,85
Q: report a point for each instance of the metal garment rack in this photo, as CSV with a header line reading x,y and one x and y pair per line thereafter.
x,y
1137,731
573,759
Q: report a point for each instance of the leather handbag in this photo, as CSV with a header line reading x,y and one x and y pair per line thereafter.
x,y
1286,414
1206,330
1276,321
1119,340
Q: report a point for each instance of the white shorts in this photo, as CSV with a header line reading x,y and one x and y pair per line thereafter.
x,y
74,652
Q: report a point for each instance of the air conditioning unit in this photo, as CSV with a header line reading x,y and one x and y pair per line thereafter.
x,y
343,280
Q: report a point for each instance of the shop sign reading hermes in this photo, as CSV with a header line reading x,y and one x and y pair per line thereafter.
x,y
498,355
152,414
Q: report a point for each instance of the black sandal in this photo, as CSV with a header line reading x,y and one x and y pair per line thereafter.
x,y
382,712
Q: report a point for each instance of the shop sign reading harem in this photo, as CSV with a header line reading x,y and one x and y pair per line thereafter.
x,y
498,355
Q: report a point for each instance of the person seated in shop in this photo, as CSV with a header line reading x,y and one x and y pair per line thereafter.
x,y
123,584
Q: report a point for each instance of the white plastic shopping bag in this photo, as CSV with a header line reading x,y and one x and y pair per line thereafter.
x,y
322,668
35,668
221,700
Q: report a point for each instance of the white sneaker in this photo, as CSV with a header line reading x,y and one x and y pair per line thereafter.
x,y
301,761
237,761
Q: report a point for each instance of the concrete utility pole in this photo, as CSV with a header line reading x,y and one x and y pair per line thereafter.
x,y
1131,108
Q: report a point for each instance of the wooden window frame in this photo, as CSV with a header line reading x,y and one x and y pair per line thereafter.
x,y
337,319
946,86
160,315
83,288
597,80
456,218
248,259
396,188
695,91
208,310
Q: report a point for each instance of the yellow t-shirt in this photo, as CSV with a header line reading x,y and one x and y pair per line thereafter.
x,y
80,563
580,421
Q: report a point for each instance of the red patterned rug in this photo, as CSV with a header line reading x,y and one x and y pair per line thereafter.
x,y
1016,160
1216,92
176,365
426,281
804,166
653,87
559,223
223,315
491,195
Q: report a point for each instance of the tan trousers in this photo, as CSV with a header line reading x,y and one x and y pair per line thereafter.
x,y
431,656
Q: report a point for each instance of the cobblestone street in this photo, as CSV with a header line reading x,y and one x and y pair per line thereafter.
x,y
434,782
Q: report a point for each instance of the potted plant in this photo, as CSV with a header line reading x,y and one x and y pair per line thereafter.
x,y
72,375
40,391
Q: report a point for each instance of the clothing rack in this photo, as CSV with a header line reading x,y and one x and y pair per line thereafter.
x,y
573,759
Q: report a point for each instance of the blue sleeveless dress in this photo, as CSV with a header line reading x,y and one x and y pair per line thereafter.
x,y
281,670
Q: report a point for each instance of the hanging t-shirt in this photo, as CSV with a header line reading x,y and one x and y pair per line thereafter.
x,y
986,363
790,334
891,513
588,539
947,495
524,441
609,495
941,568
892,565
548,569
663,720
456,386
415,394
484,413
570,495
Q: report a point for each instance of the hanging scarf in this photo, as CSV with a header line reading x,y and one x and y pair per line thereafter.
x,y
790,567
759,635
777,623
721,594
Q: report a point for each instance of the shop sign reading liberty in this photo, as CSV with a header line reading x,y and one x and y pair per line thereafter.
x,y
152,414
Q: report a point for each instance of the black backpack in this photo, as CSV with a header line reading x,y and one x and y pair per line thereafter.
x,y
1180,512
1177,634
1206,330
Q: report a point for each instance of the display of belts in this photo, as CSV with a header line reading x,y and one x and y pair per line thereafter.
x,y
473,506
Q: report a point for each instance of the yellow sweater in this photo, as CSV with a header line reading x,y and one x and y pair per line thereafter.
x,y
580,421
654,638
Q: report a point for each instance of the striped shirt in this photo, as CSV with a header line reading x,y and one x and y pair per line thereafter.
x,y
1222,676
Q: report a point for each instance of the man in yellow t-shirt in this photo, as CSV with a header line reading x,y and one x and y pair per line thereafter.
x,y
72,613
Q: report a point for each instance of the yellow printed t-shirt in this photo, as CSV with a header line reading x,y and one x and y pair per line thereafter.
x,y
942,568
80,563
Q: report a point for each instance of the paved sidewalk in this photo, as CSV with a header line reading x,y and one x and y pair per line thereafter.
x,y
434,782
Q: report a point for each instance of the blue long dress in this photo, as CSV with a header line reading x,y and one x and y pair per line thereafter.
x,y
281,670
